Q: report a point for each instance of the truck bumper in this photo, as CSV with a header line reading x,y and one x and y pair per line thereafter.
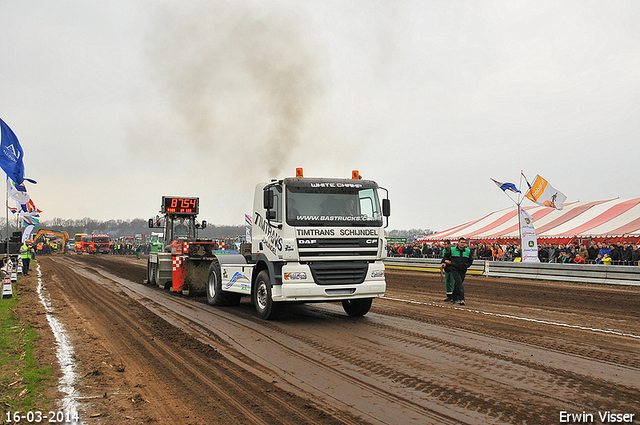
x,y
306,290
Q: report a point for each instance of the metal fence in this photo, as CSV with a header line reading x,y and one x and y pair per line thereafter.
x,y
579,273
426,265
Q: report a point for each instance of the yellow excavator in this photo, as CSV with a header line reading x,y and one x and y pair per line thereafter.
x,y
50,234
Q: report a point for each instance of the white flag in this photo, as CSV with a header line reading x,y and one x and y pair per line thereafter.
x,y
17,192
542,193
27,232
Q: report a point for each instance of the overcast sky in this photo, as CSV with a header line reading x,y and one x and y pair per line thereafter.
x,y
118,103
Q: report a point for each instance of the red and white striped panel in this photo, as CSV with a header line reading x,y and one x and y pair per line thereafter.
x,y
177,263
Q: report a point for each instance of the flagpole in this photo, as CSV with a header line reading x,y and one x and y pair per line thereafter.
x,y
520,197
520,232
517,203
524,195
6,212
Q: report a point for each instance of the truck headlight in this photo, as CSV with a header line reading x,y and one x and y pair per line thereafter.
x,y
295,276
377,273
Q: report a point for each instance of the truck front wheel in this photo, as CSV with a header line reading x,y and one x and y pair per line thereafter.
x,y
357,307
214,285
262,299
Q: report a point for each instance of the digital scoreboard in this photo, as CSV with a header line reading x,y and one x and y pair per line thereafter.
x,y
171,205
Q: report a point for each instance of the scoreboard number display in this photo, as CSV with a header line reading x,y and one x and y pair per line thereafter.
x,y
173,205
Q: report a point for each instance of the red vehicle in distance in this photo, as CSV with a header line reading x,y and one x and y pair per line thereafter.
x,y
96,244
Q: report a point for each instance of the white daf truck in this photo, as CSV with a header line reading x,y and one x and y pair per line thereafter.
x,y
313,240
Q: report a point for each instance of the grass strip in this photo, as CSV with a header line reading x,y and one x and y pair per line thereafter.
x,y
22,379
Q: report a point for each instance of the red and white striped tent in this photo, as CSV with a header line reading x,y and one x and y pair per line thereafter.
x,y
612,220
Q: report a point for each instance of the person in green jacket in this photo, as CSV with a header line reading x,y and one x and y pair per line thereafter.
x,y
25,254
449,283
459,259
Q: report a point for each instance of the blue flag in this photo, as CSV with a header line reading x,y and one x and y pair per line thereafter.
x,y
506,186
11,154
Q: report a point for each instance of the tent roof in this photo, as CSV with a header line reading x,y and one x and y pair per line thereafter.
x,y
595,219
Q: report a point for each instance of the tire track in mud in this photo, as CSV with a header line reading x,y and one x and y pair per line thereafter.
x,y
402,374
500,383
521,333
72,288
506,366
230,395
451,395
546,342
394,353
556,385
131,334
264,330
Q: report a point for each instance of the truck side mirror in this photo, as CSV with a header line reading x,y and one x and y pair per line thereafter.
x,y
152,223
271,214
267,200
386,208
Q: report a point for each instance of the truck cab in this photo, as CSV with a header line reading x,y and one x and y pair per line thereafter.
x,y
313,240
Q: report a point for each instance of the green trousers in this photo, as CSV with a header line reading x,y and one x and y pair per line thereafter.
x,y
449,283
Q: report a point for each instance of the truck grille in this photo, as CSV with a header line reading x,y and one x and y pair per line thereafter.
x,y
339,272
310,247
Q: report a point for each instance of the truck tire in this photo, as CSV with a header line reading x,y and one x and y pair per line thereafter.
x,y
151,273
215,296
357,307
266,308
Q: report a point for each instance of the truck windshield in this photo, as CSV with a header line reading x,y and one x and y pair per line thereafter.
x,y
332,205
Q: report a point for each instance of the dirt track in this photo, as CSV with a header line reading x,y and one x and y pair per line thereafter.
x,y
519,352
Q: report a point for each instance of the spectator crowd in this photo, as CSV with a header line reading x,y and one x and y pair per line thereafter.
x,y
608,253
